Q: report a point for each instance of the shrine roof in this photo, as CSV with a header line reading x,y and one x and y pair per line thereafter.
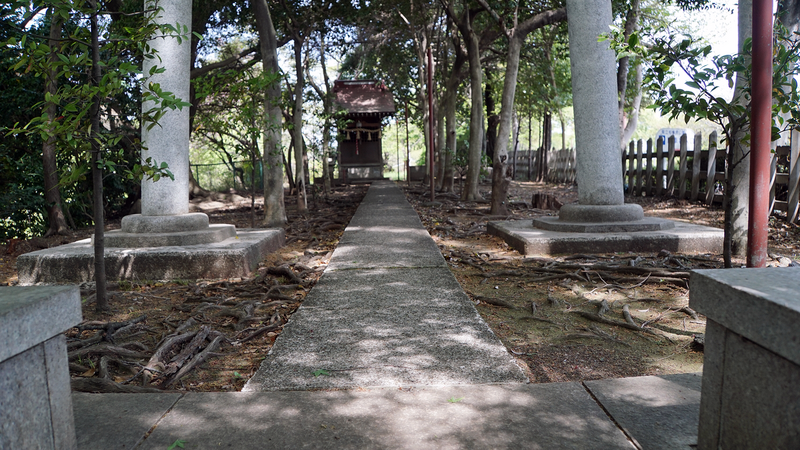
x,y
364,97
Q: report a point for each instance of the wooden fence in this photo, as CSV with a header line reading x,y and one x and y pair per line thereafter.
x,y
699,174
559,167
696,174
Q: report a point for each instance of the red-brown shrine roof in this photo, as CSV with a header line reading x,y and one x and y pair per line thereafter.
x,y
364,97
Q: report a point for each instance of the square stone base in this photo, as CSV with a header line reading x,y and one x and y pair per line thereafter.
x,y
35,402
751,397
74,263
751,368
682,238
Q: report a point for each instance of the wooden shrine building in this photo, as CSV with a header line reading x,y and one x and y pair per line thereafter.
x,y
366,102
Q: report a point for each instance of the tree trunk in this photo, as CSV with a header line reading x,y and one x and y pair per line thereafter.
x,y
632,120
499,178
739,163
789,15
274,207
326,128
547,143
470,191
516,37
515,146
101,302
52,195
299,153
631,24
492,119
449,101
530,146
288,166
441,144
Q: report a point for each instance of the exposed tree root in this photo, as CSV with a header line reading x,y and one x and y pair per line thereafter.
x,y
604,320
196,361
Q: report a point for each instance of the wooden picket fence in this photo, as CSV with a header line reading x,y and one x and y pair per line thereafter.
x,y
560,167
696,174
699,174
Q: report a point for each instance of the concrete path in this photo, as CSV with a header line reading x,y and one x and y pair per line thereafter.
x,y
386,312
408,364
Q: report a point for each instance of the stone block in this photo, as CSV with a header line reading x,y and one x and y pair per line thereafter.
x,y
762,305
682,237
32,315
213,234
751,373
35,402
645,224
74,263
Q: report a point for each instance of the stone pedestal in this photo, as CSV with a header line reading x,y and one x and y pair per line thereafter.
x,y
165,218
165,241
751,373
601,222
35,402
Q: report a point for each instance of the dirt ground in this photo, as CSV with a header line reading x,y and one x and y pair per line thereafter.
x,y
568,318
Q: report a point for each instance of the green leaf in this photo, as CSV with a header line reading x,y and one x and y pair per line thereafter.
x,y
178,443
319,372
455,400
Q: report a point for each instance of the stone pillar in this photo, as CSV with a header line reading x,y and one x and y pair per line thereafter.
x,y
597,142
165,219
169,140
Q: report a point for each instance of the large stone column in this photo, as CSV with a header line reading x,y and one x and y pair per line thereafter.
x,y
597,149
165,219
169,140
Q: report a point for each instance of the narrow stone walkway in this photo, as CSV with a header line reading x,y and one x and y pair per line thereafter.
x,y
386,312
387,352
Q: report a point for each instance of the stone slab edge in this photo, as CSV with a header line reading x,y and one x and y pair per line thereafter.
x,y
30,316
760,304
214,233
656,412
74,263
119,421
536,416
684,238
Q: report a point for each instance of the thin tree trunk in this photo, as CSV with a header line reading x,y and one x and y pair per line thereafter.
x,y
631,24
470,191
52,195
326,128
530,146
253,153
299,153
274,206
739,163
547,143
515,146
101,301
289,174
516,37
633,118
441,144
450,99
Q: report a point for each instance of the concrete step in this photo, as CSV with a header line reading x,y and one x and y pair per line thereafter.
x,y
655,412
